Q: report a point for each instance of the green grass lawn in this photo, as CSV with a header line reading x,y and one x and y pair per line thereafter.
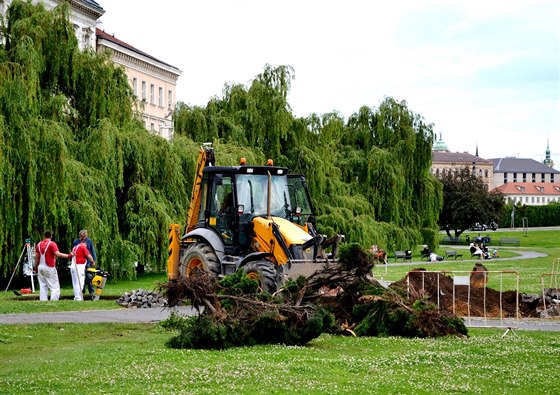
x,y
133,358
127,358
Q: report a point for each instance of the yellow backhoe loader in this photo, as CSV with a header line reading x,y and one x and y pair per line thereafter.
x,y
259,218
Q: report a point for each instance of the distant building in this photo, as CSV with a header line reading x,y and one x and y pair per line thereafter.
x,y
444,161
531,194
526,181
153,82
83,15
523,170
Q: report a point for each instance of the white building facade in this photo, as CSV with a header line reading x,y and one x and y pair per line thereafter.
x,y
84,15
153,82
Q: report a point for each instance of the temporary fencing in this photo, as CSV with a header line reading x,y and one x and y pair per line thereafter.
x,y
553,283
472,280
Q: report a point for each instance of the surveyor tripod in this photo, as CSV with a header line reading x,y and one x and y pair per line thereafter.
x,y
28,263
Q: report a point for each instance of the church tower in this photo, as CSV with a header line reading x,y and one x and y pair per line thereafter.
x,y
548,161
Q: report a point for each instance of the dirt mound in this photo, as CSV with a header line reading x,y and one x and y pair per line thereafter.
x,y
484,301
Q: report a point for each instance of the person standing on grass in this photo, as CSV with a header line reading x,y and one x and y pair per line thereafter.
x,y
78,268
46,253
83,236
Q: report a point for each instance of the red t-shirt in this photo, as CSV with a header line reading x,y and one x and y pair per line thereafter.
x,y
50,257
81,252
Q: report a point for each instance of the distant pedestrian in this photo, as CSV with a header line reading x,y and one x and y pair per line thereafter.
x,y
83,235
45,265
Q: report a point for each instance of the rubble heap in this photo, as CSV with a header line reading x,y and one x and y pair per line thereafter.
x,y
140,298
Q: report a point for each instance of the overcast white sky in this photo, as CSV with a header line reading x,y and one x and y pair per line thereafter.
x,y
485,72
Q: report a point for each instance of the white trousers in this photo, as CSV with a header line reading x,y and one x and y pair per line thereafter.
x,y
48,280
78,273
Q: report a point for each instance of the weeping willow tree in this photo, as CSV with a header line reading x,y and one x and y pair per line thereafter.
x,y
369,175
72,155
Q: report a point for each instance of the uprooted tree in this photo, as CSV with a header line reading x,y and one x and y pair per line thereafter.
x,y
339,298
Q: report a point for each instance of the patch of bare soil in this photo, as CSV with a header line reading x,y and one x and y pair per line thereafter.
x,y
476,299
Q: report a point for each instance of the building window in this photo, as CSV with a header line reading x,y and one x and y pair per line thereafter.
x,y
152,94
486,173
533,177
160,98
505,178
551,177
532,199
169,99
514,177
143,90
135,87
524,177
542,177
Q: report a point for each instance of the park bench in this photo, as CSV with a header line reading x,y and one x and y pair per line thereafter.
x,y
452,254
509,241
403,255
424,255
451,240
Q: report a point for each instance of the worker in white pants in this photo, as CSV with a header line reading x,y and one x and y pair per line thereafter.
x,y
80,255
48,279
45,265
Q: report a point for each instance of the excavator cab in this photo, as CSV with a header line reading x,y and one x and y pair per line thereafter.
x,y
233,196
302,209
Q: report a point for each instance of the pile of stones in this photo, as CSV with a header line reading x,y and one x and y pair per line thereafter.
x,y
141,299
551,298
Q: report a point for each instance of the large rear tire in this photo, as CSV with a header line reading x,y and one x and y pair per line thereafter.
x,y
263,272
200,257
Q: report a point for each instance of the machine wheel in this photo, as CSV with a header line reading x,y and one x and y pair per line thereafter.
x,y
200,256
264,272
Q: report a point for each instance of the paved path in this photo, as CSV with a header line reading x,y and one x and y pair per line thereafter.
x,y
158,314
96,316
523,254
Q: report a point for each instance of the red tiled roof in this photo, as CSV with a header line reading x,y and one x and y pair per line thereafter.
x,y
530,188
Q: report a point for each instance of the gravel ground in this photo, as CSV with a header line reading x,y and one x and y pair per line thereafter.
x,y
156,314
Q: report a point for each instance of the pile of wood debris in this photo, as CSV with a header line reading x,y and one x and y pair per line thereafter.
x,y
341,299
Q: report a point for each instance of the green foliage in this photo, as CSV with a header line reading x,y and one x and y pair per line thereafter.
x,y
204,332
239,284
389,318
466,201
73,155
537,216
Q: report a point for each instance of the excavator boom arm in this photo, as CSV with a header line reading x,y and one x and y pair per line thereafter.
x,y
205,158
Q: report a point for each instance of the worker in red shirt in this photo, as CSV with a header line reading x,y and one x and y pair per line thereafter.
x,y
80,255
45,265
